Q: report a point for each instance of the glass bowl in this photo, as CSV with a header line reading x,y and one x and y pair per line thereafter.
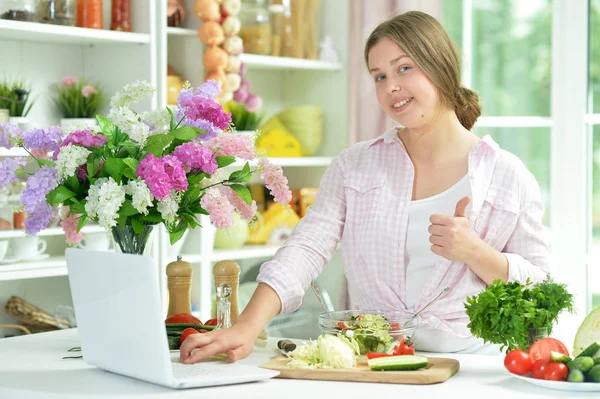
x,y
374,330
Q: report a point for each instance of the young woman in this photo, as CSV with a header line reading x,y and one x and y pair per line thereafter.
x,y
424,206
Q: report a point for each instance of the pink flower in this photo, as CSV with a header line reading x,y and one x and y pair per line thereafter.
x,y
253,103
69,81
88,90
275,181
218,207
40,153
69,224
206,109
174,170
195,157
246,211
152,170
232,144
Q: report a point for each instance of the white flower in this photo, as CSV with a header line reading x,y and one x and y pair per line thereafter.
x,y
129,122
132,93
70,158
160,119
141,196
169,206
104,200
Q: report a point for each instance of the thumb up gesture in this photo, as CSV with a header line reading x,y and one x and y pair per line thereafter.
x,y
451,236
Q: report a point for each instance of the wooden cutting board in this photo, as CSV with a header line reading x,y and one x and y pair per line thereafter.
x,y
438,370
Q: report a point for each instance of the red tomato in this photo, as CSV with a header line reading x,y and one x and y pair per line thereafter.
x,y
182,318
211,322
374,355
541,349
518,362
556,371
394,326
538,369
406,349
186,333
342,326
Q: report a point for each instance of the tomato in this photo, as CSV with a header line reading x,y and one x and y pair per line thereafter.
x,y
375,355
402,348
538,369
342,325
518,362
556,371
394,326
186,333
541,349
211,322
182,318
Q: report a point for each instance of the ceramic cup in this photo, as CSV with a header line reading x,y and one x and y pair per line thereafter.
x,y
95,242
3,248
28,247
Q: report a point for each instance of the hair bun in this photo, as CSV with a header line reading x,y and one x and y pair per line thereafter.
x,y
468,108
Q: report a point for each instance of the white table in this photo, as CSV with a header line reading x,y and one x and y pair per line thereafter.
x,y
32,367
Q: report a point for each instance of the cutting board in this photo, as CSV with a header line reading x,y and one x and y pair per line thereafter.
x,y
438,370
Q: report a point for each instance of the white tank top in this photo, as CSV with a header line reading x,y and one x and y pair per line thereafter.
x,y
419,262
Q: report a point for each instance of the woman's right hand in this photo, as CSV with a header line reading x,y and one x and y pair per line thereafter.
x,y
237,342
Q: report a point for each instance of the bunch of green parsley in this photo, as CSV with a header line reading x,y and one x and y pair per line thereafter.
x,y
504,312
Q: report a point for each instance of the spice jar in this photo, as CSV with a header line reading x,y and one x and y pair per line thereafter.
x,y
18,10
56,12
14,199
121,15
256,27
88,14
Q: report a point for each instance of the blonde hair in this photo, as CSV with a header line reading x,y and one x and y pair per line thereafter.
x,y
424,39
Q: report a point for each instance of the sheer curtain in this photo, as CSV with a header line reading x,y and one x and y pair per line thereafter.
x,y
366,119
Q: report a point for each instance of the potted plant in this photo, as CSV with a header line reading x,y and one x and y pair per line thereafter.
x,y
78,101
15,96
515,315
142,169
243,120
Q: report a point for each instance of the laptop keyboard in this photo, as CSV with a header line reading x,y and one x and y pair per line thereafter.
x,y
184,371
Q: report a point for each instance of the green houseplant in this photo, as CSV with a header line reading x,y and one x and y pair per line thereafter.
x,y
15,96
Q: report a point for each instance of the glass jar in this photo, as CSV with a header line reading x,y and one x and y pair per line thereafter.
x,y
256,27
14,199
6,210
56,12
276,21
121,15
88,14
18,10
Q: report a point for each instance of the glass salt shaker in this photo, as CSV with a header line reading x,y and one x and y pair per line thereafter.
x,y
223,306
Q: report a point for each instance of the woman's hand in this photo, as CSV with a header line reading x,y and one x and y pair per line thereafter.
x,y
237,342
451,236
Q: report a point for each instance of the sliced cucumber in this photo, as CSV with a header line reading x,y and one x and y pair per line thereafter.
x,y
597,360
590,350
401,362
559,357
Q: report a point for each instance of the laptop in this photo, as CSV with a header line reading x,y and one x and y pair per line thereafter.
x,y
121,325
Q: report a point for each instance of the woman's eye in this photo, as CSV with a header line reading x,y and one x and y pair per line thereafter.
x,y
403,68
379,78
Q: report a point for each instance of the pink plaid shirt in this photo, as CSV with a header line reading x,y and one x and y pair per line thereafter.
x,y
364,200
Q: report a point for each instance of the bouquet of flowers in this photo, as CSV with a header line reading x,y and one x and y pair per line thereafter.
x,y
141,169
77,98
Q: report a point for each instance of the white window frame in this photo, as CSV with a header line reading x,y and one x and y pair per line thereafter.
x,y
570,153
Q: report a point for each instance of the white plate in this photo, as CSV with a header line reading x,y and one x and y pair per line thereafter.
x,y
8,260
562,385
36,257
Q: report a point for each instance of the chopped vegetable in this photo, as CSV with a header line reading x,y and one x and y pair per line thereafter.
x,y
328,351
396,363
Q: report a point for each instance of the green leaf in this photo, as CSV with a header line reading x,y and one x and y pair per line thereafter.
x,y
132,163
241,176
93,165
76,208
172,123
242,192
150,219
190,219
127,209
47,162
130,174
223,161
197,178
137,226
177,233
83,219
114,167
105,124
157,143
59,195
191,195
185,133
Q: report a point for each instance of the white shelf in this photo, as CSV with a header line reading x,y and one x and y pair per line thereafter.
x,y
13,152
246,252
52,231
292,162
269,62
49,267
181,32
38,32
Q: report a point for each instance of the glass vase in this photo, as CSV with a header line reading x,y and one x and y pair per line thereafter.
x,y
535,334
129,242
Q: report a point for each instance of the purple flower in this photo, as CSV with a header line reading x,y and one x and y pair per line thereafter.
x,y
38,185
195,157
209,89
210,129
8,167
84,138
82,171
39,219
185,97
201,111
7,132
48,138
152,170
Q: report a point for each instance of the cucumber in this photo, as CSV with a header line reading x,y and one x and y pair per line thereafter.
x,y
576,376
401,362
591,350
583,364
594,374
597,360
559,357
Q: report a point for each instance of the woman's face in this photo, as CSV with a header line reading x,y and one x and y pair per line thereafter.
x,y
403,90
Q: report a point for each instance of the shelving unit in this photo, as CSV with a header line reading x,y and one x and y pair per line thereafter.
x,y
117,58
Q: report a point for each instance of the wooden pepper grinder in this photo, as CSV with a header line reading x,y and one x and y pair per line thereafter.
x,y
228,272
179,275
